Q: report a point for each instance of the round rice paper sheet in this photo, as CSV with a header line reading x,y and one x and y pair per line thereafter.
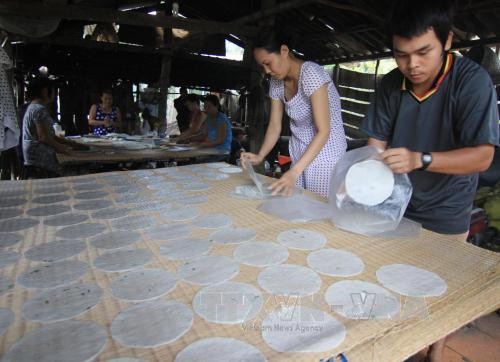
x,y
411,281
75,341
289,279
151,324
302,329
218,349
369,183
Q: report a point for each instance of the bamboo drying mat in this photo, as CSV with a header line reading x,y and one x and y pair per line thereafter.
x,y
472,275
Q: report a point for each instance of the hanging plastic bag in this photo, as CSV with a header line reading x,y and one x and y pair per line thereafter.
x,y
365,196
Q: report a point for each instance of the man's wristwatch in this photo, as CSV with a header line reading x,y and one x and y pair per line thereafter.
x,y
426,159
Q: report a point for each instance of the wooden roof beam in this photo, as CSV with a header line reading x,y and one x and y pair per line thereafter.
x,y
92,14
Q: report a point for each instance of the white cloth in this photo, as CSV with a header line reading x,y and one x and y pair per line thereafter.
x,y
9,127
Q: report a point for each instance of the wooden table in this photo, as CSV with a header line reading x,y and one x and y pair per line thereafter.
x,y
108,154
472,274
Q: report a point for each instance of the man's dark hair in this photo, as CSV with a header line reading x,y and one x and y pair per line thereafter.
x,y
212,99
192,98
183,90
411,18
37,85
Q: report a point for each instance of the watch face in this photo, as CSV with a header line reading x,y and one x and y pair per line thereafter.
x,y
427,158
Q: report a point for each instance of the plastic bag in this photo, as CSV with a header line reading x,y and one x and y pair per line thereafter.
x,y
358,218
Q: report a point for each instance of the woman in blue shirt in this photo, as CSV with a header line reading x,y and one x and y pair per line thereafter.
x,y
217,127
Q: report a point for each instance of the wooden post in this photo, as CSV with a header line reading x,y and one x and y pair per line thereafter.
x,y
166,66
258,111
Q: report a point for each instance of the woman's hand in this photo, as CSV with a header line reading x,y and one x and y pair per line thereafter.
x,y
286,183
107,122
251,158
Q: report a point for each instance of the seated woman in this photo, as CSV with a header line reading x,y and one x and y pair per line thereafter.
x,y
216,131
105,118
40,143
192,102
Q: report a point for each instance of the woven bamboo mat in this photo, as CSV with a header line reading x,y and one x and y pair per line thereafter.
x,y
472,275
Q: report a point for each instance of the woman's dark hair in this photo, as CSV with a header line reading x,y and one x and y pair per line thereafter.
x,y
272,39
37,85
106,91
192,98
213,99
411,18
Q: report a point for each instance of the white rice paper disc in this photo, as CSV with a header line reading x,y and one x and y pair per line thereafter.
x,y
185,248
133,222
81,231
214,176
142,285
61,303
51,190
55,250
247,192
220,349
50,199
181,214
169,231
196,186
53,275
6,284
17,224
411,281
228,303
151,324
302,239
9,213
91,195
9,239
12,202
75,341
66,219
335,263
116,239
216,165
6,319
289,279
48,210
123,260
8,258
154,206
213,221
231,235
209,269
261,253
163,186
230,170
110,213
369,182
84,187
131,198
302,329
151,180
91,205
193,200
8,192
355,299
85,179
